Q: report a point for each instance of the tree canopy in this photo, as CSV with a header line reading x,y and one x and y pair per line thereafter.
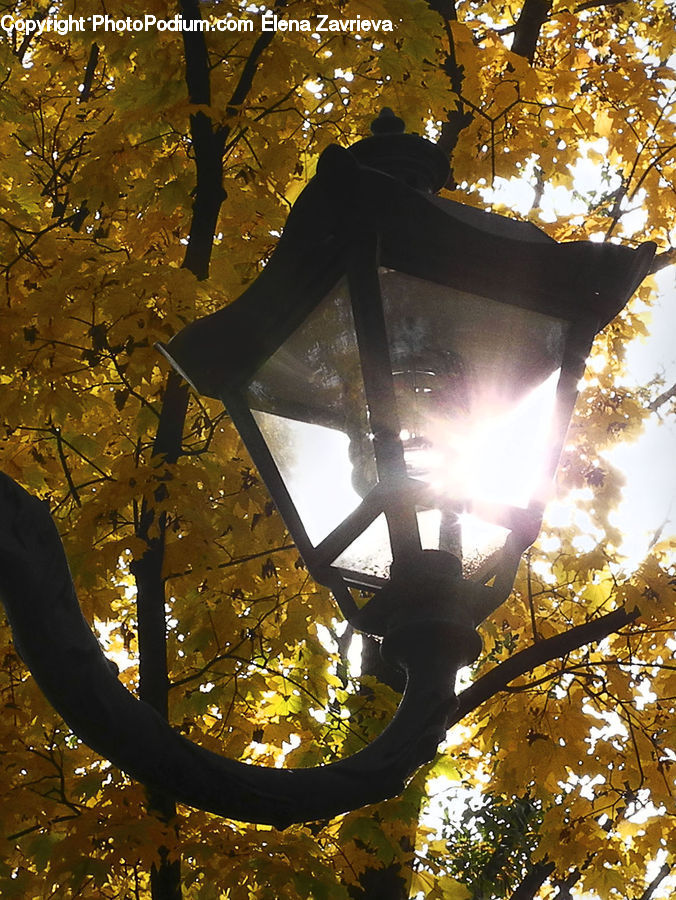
x,y
147,175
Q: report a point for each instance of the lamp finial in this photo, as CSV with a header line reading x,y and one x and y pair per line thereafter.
x,y
388,122
407,157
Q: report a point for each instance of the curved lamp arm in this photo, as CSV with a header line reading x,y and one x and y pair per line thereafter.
x,y
65,658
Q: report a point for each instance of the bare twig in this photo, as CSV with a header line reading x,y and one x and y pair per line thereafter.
x,y
663,398
596,4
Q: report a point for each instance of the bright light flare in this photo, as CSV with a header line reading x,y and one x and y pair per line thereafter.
x,y
490,456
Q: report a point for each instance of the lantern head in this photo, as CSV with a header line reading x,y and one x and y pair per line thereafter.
x,y
404,369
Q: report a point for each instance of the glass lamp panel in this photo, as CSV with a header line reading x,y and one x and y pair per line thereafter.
x,y
476,388
466,536
314,464
309,404
370,554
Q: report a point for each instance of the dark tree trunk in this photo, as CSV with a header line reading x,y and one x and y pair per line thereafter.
x,y
533,881
390,882
165,877
534,14
209,195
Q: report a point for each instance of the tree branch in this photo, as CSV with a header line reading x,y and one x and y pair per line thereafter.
x,y
662,398
41,825
208,142
245,82
152,626
533,16
459,117
209,193
538,654
89,73
533,881
655,883
596,4
147,571
662,260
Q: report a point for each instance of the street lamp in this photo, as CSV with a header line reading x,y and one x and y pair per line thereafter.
x,y
403,372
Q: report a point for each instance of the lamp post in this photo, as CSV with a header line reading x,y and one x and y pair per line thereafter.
x,y
403,373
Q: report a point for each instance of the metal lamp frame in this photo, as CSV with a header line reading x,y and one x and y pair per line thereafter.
x,y
366,208
358,214
350,220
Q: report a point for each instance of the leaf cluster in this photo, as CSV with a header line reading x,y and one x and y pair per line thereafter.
x,y
98,177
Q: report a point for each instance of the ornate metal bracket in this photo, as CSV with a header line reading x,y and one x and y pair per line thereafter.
x,y
430,640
